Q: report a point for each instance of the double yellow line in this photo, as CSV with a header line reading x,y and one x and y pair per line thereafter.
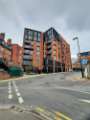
x,y
60,116
53,115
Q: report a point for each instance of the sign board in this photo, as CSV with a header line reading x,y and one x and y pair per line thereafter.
x,y
84,61
85,54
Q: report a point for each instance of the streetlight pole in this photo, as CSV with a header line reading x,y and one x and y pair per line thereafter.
x,y
79,56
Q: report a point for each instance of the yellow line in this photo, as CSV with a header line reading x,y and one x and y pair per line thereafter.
x,y
40,109
63,116
57,118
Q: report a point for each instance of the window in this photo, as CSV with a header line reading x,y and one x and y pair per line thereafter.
x,y
38,36
35,35
31,35
26,62
26,32
50,34
38,53
38,49
26,37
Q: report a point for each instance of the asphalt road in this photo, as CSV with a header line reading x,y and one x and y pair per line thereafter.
x,y
56,93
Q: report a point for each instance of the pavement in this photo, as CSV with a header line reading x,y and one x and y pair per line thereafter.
x,y
57,96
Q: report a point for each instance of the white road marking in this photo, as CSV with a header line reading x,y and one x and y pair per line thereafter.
x,y
84,92
71,89
10,96
16,90
20,99
84,100
18,94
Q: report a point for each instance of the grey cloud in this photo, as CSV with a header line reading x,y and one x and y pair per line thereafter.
x,y
78,15
65,15
76,12
9,10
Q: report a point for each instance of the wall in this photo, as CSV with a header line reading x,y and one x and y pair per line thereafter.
x,y
17,54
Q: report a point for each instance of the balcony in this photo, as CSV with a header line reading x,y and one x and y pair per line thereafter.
x,y
49,41
27,42
25,62
28,52
28,57
28,47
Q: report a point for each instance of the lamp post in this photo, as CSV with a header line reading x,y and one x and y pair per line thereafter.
x,y
78,45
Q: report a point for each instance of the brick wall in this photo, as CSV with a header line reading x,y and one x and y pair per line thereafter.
x,y
17,54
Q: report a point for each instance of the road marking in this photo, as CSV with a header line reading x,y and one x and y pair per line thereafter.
x,y
40,109
16,90
60,115
57,118
43,113
70,89
84,100
18,94
10,96
52,115
20,99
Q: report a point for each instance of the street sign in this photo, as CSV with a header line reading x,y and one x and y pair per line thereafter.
x,y
84,61
85,54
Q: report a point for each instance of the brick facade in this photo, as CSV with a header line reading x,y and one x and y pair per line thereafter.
x,y
66,55
51,53
33,50
17,55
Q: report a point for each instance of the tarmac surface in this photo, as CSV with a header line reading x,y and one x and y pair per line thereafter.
x,y
58,96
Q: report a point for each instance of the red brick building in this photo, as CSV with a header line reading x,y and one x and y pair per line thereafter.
x,y
33,50
57,56
46,51
16,56
5,50
66,55
10,55
52,54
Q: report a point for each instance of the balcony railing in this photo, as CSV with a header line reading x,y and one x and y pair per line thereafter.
x,y
27,57
29,47
27,62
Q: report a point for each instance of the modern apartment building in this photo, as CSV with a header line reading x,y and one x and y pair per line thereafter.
x,y
52,54
33,50
46,51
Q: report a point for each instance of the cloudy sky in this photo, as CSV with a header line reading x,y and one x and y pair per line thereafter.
x,y
69,17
